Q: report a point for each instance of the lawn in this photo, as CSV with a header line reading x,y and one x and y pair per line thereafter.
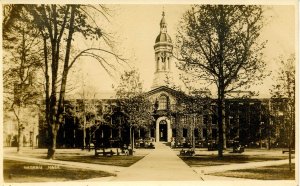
x,y
78,155
279,172
20,172
123,161
214,160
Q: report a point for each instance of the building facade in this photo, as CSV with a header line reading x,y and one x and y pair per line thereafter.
x,y
179,117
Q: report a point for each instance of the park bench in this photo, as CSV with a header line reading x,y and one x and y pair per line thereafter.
x,y
188,152
127,151
292,151
100,149
147,144
107,154
212,145
178,145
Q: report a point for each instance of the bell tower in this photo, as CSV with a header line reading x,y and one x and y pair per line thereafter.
x,y
163,56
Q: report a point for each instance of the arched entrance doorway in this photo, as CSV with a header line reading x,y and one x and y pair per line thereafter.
x,y
163,133
163,129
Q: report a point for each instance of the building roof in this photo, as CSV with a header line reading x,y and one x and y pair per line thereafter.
x,y
163,21
101,95
167,89
163,37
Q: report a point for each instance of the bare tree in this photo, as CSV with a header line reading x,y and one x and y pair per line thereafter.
x,y
284,88
219,44
133,102
191,103
58,25
90,113
22,62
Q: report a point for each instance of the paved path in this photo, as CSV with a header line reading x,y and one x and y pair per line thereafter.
x,y
162,164
238,166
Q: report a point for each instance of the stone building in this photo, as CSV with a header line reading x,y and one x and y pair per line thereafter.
x,y
183,118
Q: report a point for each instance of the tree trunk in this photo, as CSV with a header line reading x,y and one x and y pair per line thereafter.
x,y
20,139
132,143
130,136
90,139
52,146
224,129
193,133
56,109
290,139
84,132
66,62
221,120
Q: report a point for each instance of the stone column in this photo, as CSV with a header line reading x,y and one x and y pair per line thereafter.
x,y
169,128
200,127
179,126
157,130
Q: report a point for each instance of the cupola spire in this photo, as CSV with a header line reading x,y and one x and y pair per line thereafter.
x,y
163,24
163,57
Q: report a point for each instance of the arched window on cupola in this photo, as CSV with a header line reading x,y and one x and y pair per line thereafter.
x,y
163,102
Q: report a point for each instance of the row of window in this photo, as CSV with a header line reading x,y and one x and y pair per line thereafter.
x,y
196,133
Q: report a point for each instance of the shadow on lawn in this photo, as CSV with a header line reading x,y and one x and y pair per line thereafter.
x,y
19,172
213,160
123,161
279,172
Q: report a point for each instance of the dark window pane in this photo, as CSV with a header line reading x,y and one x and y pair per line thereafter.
x,y
184,130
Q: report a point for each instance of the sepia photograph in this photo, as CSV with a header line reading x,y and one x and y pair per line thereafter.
x,y
168,92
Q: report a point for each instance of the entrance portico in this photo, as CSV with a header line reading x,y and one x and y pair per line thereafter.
x,y
163,129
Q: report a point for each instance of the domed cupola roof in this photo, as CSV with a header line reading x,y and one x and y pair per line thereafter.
x,y
163,36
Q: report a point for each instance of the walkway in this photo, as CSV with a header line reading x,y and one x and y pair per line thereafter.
x,y
203,171
160,165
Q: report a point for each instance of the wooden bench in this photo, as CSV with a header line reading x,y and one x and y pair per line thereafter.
x,y
107,154
100,150
292,151
189,152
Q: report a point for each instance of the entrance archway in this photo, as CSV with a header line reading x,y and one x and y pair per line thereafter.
x,y
163,133
163,129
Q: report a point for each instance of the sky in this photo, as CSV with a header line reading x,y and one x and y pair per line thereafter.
x,y
135,27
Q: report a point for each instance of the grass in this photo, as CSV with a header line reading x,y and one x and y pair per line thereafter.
x,y
213,160
86,157
123,161
279,172
19,172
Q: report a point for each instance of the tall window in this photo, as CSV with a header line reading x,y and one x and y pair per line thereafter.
x,y
214,133
163,102
173,132
196,133
184,132
204,131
